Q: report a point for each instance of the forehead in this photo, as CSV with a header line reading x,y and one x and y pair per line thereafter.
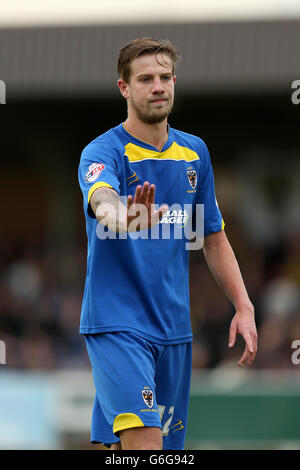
x,y
151,64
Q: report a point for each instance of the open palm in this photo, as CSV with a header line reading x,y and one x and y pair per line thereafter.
x,y
141,212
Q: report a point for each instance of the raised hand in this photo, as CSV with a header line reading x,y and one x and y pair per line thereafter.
x,y
141,213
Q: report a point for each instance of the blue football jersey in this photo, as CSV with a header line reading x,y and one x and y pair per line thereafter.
x,y
139,282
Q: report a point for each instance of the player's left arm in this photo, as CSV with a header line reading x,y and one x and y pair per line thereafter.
x,y
225,269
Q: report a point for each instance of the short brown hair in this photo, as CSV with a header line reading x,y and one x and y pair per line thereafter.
x,y
143,46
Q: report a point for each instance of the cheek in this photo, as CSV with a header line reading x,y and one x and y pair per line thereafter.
x,y
140,96
171,88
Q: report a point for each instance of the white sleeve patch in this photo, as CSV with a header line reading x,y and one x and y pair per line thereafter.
x,y
93,172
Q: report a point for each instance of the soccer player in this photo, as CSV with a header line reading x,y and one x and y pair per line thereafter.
x,y
135,312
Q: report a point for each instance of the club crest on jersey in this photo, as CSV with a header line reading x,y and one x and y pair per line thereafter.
x,y
147,395
192,177
93,172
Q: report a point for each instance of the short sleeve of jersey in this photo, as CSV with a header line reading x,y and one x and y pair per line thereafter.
x,y
213,221
98,168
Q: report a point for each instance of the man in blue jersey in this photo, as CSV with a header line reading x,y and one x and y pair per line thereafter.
x,y
141,180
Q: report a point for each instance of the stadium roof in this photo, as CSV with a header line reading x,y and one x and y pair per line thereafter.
x,y
71,47
20,13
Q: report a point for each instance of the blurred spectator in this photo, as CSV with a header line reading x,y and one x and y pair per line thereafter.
x,y
40,302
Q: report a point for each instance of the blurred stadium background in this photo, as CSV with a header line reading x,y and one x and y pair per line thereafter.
x,y
58,60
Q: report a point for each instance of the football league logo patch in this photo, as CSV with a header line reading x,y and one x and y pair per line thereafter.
x,y
192,177
93,172
147,395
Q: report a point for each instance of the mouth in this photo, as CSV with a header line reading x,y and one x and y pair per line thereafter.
x,y
159,100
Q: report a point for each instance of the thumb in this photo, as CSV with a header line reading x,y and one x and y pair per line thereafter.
x,y
232,335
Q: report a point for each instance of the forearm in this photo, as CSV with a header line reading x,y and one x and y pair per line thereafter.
x,y
109,210
225,269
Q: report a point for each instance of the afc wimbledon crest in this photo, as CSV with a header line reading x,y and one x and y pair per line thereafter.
x,y
192,176
148,397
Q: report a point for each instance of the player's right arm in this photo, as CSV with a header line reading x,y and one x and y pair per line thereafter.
x,y
139,214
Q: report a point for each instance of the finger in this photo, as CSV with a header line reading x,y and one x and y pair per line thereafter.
x,y
252,356
232,335
244,357
137,194
256,342
129,202
144,193
151,194
250,360
248,341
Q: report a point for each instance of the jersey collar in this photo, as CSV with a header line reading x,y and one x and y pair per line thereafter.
x,y
141,143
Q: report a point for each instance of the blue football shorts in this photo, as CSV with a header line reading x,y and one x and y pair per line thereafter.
x,y
139,383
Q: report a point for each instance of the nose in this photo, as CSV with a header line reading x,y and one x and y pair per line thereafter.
x,y
157,86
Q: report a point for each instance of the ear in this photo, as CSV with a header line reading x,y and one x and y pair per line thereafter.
x,y
174,79
123,87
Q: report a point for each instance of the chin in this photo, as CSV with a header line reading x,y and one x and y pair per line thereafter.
x,y
154,118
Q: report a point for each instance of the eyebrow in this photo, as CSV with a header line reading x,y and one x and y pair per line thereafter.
x,y
151,74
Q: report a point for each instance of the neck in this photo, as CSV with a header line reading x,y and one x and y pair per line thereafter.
x,y
153,134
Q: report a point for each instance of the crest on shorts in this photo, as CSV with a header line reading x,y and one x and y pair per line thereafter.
x,y
147,395
192,177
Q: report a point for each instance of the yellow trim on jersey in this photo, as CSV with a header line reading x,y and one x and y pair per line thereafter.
x,y
96,186
127,421
134,174
133,181
223,224
135,153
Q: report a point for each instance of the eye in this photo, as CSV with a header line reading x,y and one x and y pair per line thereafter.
x,y
166,78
